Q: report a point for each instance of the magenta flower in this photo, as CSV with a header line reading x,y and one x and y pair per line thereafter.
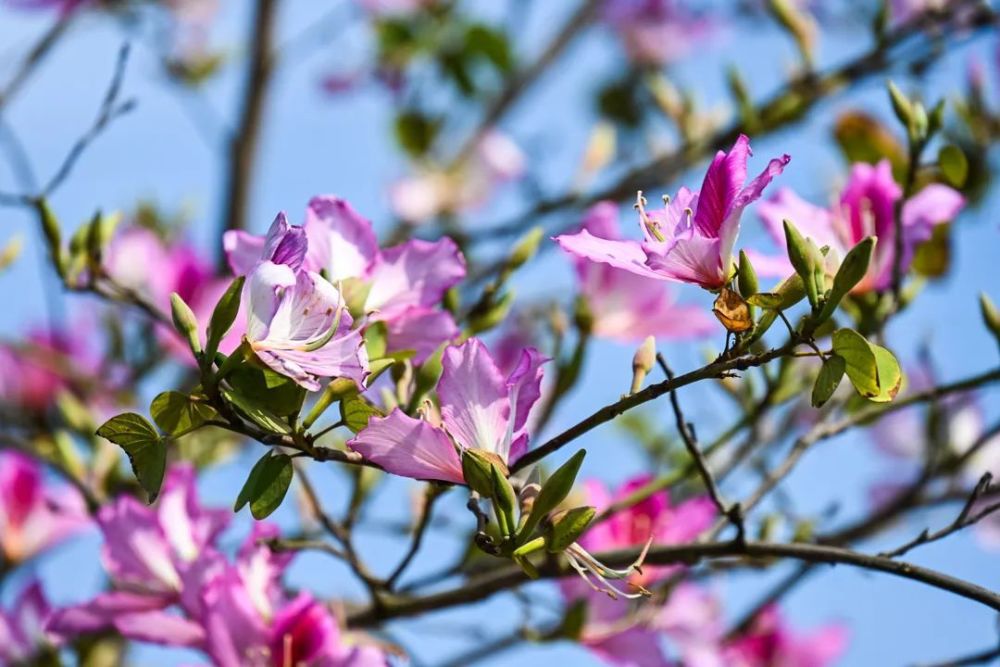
x,y
152,555
172,586
771,642
297,322
138,259
22,627
402,285
34,516
655,518
480,409
692,238
629,307
866,208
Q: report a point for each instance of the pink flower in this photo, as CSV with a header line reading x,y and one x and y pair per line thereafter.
x,y
866,208
152,555
627,306
432,192
480,409
692,238
34,516
172,586
655,517
139,259
297,322
654,32
770,641
22,627
401,286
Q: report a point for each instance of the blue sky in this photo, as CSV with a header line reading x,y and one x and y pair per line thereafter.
x,y
316,144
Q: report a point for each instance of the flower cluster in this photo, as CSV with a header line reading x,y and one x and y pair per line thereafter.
x,y
172,585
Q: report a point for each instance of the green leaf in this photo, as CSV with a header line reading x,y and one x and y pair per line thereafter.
x,y
574,620
264,387
223,317
872,369
566,529
416,132
954,165
176,413
933,257
890,375
828,380
145,449
258,414
266,485
355,411
553,492
861,365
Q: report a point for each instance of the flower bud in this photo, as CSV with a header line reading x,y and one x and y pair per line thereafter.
x,y
185,322
223,317
643,362
567,527
553,492
53,236
477,471
525,249
991,316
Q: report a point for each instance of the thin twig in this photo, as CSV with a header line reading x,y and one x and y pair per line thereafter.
x,y
734,512
432,493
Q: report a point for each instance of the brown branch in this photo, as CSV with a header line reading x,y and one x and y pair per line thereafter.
x,y
481,587
523,80
607,413
243,148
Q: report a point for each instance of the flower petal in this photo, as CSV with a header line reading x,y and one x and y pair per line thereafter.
x,y
415,273
723,181
341,241
243,250
420,329
409,447
475,404
627,255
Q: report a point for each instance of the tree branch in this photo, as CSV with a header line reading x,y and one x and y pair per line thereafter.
x,y
243,148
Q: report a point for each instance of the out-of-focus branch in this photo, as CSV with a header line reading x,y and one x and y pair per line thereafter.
x,y
35,56
782,109
243,147
523,80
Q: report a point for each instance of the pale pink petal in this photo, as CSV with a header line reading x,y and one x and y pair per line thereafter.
x,y
160,627
627,255
811,221
693,259
475,405
263,295
409,447
243,250
101,613
415,273
420,329
525,383
934,204
341,242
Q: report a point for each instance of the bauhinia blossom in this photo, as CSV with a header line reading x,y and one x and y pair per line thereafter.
x,y
34,515
173,586
401,285
866,208
626,306
495,160
297,321
654,32
691,239
480,409
770,641
22,628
